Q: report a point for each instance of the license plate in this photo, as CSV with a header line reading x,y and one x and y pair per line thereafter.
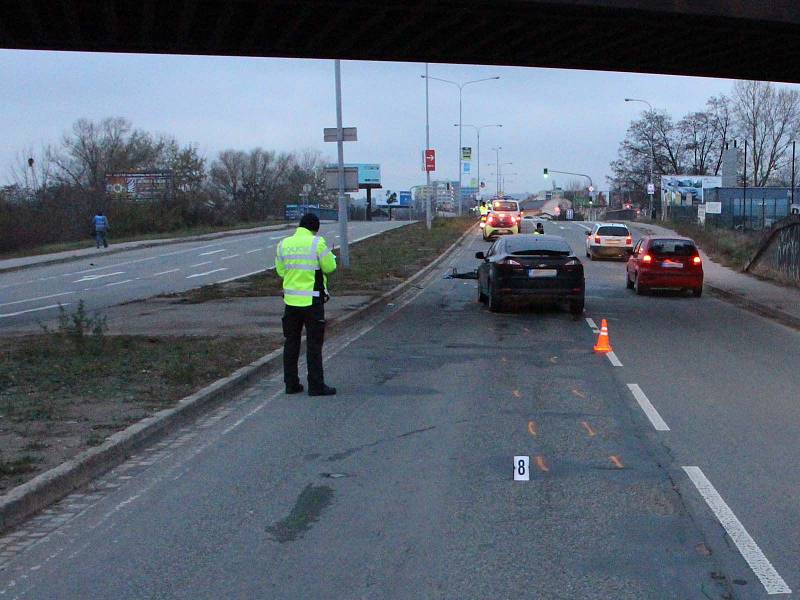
x,y
542,272
613,242
672,265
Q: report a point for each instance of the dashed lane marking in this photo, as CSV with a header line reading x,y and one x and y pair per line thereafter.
x,y
766,573
593,325
254,250
118,282
206,273
35,299
210,252
165,272
613,358
202,264
30,310
93,277
648,407
230,257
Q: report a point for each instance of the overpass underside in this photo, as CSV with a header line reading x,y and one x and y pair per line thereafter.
x,y
722,38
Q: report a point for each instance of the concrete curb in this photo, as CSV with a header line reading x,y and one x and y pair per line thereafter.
x,y
146,244
27,499
752,306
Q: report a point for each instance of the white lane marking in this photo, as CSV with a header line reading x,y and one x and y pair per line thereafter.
x,y
592,324
613,358
35,299
206,273
230,257
210,252
561,227
245,275
647,407
766,573
30,310
280,237
118,282
114,266
254,250
93,277
202,264
194,249
165,272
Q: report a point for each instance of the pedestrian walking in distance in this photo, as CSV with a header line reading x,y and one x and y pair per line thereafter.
x,y
304,262
100,229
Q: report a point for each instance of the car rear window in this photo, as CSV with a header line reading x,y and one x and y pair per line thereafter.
x,y
613,230
532,245
672,248
501,205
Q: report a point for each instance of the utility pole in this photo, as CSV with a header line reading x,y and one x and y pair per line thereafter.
x,y
427,147
344,252
792,201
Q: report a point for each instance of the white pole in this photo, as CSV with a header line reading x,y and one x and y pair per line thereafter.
x,y
427,147
344,253
460,89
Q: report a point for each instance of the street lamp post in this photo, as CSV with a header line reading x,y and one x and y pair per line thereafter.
x,y
427,147
478,132
792,201
652,158
460,87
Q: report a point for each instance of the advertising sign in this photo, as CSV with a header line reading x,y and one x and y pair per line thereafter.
x,y
367,174
430,160
467,167
714,208
678,190
350,178
394,199
466,153
151,185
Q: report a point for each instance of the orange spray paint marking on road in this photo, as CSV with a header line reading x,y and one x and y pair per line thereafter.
x,y
617,462
532,428
588,429
579,393
553,359
517,394
539,460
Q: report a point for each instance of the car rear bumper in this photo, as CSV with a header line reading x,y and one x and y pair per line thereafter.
x,y
490,231
543,294
670,280
609,251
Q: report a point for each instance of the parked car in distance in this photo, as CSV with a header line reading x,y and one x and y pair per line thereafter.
x,y
533,268
661,262
609,240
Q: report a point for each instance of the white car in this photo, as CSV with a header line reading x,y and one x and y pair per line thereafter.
x,y
609,240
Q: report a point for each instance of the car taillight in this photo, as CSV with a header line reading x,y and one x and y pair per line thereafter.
x,y
572,264
696,260
597,239
509,262
647,258
629,240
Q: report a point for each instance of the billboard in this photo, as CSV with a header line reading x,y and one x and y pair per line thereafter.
x,y
676,189
402,199
149,185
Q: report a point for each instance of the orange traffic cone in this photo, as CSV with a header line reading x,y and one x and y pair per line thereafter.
x,y
603,341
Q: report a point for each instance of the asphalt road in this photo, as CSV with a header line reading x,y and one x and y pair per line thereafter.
x,y
401,486
33,294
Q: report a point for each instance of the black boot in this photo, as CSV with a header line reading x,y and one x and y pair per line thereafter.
x,y
295,388
325,390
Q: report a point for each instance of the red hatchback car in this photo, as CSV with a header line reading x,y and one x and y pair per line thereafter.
x,y
659,262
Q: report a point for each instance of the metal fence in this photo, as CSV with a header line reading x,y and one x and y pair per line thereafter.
x,y
752,213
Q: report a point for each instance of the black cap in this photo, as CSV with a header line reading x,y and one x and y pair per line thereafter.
x,y
310,221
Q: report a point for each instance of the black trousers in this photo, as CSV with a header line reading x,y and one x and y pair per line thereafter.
x,y
313,318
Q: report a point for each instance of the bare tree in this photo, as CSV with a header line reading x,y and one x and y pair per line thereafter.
x,y
767,117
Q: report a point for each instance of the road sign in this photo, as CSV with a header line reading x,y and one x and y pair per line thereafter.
x,y
430,160
350,179
570,214
349,134
467,167
466,153
651,189
591,189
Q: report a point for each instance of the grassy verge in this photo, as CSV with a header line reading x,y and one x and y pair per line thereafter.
x,y
64,391
725,246
377,264
89,243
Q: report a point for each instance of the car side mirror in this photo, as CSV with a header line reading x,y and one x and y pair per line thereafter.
x,y
588,233
480,256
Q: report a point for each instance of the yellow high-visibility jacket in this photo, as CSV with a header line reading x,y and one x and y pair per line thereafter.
x,y
484,211
297,260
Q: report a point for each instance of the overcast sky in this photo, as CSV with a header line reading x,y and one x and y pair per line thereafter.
x,y
562,119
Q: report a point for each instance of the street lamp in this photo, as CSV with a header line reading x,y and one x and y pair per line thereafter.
x,y
478,132
460,87
652,158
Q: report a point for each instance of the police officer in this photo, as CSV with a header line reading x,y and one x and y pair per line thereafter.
x,y
484,210
304,261
539,228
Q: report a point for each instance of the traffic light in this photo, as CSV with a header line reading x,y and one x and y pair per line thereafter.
x,y
545,174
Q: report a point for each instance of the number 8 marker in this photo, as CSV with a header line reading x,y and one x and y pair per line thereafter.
x,y
521,472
